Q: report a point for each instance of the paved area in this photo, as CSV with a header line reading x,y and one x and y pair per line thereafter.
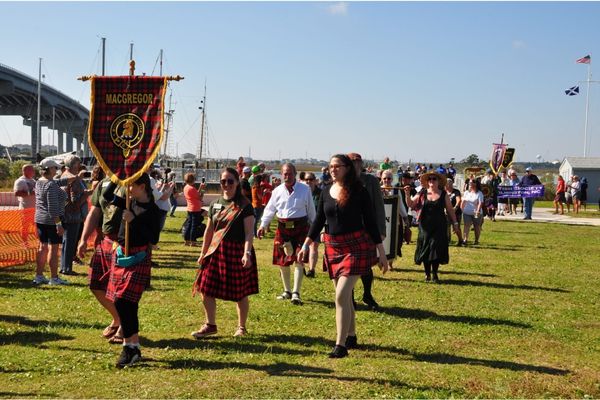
x,y
546,215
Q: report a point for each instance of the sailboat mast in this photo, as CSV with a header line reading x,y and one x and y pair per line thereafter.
x,y
38,145
203,123
168,125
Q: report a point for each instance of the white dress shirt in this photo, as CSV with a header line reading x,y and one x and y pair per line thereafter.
x,y
286,205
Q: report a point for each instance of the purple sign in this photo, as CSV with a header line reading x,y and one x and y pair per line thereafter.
x,y
520,191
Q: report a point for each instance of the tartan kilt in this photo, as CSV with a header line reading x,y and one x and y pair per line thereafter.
x,y
99,269
129,282
347,254
296,236
222,275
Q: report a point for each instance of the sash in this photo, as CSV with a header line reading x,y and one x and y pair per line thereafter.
x,y
224,221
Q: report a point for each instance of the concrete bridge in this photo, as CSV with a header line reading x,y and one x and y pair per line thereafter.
x,y
18,96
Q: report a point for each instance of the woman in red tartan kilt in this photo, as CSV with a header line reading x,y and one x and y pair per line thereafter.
x,y
130,276
228,263
351,243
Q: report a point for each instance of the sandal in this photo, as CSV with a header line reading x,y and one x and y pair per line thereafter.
x,y
206,330
116,339
110,331
241,331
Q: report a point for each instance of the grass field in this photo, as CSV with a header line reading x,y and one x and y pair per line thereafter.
x,y
516,316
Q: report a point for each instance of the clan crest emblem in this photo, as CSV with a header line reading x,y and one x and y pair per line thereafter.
x,y
126,132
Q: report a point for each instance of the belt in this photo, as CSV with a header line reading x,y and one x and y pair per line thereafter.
x,y
290,223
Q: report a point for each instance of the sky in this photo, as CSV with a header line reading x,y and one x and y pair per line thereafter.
x,y
420,81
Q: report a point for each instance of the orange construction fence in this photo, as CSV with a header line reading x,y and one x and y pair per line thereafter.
x,y
18,234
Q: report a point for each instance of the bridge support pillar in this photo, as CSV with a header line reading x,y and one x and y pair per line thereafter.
x,y
59,143
69,142
86,146
78,147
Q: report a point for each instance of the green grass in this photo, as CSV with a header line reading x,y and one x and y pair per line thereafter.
x,y
516,316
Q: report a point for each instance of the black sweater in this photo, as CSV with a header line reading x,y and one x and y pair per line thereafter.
x,y
145,228
356,215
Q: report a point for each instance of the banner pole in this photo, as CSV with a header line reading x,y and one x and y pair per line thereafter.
x,y
127,205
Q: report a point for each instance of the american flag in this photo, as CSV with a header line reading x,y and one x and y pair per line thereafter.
x,y
585,60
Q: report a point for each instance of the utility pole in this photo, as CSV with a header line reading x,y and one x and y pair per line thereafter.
x,y
39,110
103,56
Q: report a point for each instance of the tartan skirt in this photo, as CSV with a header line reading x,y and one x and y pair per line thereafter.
x,y
349,253
99,270
296,236
222,275
129,282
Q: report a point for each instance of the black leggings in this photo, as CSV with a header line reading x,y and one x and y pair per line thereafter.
x,y
128,313
429,266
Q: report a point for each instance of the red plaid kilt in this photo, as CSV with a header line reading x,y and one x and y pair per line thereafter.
x,y
349,253
129,282
296,236
222,275
99,270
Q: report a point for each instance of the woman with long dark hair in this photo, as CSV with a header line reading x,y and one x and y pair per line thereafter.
x,y
228,263
351,240
130,275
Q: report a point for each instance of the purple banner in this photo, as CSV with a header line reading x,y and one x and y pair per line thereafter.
x,y
520,191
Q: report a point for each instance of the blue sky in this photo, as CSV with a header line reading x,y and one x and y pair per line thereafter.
x,y
421,81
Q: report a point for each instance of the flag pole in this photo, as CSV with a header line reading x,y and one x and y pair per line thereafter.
x,y
587,107
127,199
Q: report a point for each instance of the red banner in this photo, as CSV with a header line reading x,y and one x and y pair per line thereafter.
x,y
497,157
126,124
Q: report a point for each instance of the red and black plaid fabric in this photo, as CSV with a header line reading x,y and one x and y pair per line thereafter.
x,y
129,282
222,275
295,235
349,253
99,270
104,112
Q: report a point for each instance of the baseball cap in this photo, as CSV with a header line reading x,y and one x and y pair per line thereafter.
x,y
246,170
255,169
528,169
354,157
49,163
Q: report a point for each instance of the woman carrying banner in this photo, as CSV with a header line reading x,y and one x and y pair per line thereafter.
x,y
352,240
130,275
228,268
432,243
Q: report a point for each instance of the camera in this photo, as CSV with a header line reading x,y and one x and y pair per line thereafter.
x,y
203,180
87,174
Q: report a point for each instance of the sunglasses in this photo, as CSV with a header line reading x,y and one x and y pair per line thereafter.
x,y
227,181
432,178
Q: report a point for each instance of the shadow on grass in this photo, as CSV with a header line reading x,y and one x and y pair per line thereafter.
x,y
416,313
220,343
442,272
17,319
443,358
31,338
12,395
460,282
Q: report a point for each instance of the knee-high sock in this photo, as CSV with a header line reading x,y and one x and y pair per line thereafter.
x,y
285,278
367,280
427,267
298,276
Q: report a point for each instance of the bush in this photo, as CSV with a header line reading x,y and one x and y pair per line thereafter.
x,y
4,170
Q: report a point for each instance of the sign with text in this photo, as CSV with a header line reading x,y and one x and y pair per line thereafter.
x,y
520,191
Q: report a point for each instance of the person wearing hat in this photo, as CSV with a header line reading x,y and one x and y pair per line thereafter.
x,y
371,183
293,204
432,243
245,182
529,179
24,188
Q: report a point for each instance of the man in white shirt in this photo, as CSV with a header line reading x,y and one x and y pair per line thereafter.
x,y
24,189
293,204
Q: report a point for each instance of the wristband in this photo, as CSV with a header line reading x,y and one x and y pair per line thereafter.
x,y
305,247
249,253
455,223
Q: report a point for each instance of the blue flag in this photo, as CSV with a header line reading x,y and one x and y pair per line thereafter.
x,y
574,91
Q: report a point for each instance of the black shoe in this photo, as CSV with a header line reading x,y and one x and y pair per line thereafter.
x,y
351,342
427,278
129,356
371,303
436,279
338,352
69,273
310,273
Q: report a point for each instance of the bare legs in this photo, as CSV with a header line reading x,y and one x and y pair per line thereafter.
x,y
47,252
210,309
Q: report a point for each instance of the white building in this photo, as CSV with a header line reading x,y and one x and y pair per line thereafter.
x,y
584,167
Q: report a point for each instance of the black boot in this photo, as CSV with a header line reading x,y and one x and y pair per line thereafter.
x,y
351,342
338,352
367,280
